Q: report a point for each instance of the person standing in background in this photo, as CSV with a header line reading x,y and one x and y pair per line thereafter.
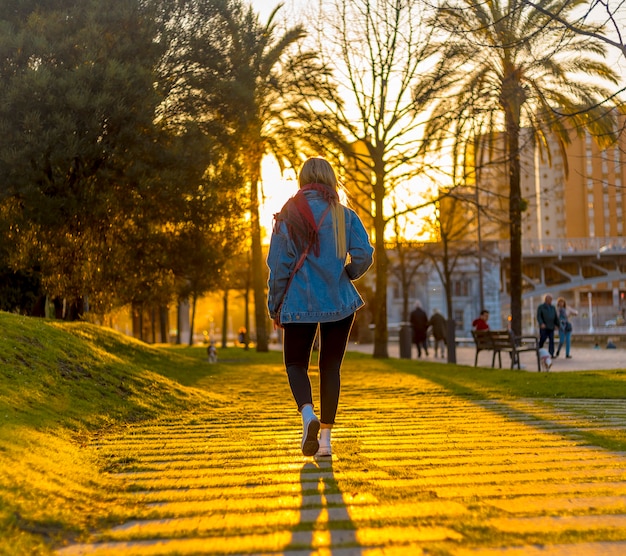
x,y
419,324
565,326
548,321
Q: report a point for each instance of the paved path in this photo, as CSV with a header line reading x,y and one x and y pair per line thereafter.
x,y
416,471
583,358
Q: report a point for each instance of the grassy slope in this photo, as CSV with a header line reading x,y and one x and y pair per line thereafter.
x,y
61,383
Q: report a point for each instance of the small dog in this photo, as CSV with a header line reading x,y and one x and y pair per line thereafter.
x,y
212,353
545,359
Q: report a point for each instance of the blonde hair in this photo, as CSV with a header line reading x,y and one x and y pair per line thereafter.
x,y
561,300
319,170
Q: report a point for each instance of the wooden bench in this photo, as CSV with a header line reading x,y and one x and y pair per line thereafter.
x,y
498,341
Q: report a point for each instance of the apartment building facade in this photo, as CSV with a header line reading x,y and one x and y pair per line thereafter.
x,y
575,204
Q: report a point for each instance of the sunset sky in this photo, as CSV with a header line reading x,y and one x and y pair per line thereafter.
x,y
276,188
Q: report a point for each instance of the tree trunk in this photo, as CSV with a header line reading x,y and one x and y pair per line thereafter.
x,y
258,268
153,318
512,98
74,309
380,302
381,263
193,318
515,214
451,329
246,317
183,319
515,221
58,308
225,319
163,324
141,336
405,280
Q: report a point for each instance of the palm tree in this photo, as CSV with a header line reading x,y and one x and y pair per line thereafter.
x,y
513,67
252,82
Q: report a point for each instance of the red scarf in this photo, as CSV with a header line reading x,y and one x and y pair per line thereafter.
x,y
299,219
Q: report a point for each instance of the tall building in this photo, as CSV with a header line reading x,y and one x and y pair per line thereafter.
x,y
542,186
575,205
594,196
580,196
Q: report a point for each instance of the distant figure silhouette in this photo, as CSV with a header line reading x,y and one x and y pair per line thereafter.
x,y
212,353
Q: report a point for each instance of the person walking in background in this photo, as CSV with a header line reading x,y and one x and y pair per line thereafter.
x,y
310,286
439,330
565,326
419,325
548,321
480,323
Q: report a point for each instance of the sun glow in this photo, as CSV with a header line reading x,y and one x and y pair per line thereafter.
x,y
276,188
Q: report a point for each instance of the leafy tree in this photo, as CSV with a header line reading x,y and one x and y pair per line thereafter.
x,y
514,67
112,198
610,14
77,103
209,236
178,245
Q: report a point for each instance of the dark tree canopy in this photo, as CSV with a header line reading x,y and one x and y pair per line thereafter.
x,y
100,193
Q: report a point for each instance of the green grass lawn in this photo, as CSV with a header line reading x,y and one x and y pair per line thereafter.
x,y
61,384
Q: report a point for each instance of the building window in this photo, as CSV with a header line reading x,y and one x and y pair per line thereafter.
x,y
458,320
461,287
397,291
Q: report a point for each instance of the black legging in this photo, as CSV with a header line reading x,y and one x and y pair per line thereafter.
x,y
298,343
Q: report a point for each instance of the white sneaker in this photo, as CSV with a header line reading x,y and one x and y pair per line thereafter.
x,y
310,444
324,449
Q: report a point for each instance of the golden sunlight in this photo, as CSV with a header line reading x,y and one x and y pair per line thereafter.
x,y
275,189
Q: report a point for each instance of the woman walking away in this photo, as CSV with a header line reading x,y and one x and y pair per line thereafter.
x,y
318,247
565,326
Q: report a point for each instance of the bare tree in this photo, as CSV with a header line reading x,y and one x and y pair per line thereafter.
x,y
455,208
378,55
407,259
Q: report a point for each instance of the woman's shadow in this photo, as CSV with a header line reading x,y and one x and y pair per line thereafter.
x,y
325,521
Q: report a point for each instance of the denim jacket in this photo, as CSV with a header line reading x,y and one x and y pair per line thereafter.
x,y
322,289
